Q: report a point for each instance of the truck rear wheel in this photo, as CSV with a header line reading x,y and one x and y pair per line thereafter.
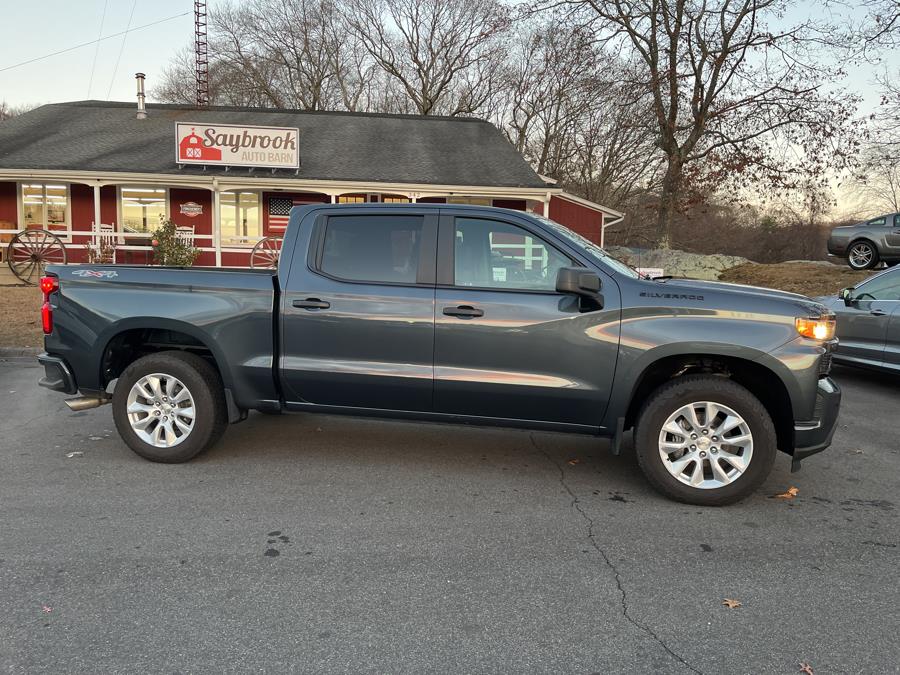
x,y
705,440
170,406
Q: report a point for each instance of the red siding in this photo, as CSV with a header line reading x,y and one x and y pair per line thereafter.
x,y
109,207
202,223
586,222
9,211
432,200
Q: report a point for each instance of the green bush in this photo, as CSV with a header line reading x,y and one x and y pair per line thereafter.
x,y
170,249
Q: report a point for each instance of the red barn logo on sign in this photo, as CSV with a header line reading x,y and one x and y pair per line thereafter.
x,y
191,147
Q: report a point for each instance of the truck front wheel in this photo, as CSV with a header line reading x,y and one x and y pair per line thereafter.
x,y
705,440
170,406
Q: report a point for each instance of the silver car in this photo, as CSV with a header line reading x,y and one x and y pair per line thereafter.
x,y
868,322
866,244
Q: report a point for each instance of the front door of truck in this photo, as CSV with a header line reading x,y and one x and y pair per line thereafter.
x,y
358,311
507,345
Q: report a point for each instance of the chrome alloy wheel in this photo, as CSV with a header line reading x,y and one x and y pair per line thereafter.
x,y
160,410
706,445
861,255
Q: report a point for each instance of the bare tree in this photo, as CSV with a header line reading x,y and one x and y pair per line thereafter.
x,y
728,92
8,111
436,50
878,185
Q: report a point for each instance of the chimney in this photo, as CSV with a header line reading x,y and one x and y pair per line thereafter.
x,y
141,109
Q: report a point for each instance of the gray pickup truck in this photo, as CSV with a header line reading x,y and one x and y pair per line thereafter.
x,y
452,314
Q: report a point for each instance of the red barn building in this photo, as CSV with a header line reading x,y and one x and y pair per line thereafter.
x,y
230,175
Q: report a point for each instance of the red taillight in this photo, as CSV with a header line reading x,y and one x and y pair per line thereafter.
x,y
47,318
48,286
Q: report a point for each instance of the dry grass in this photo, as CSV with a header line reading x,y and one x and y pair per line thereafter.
x,y
811,279
20,325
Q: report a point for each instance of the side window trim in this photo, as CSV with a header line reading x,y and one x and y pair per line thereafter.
x,y
446,270
425,272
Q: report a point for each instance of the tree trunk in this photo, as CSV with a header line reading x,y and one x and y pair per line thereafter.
x,y
668,200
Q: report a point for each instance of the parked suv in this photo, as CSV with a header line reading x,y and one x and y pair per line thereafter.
x,y
452,314
866,244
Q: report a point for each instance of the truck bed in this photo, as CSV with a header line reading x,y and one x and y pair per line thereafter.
x,y
229,312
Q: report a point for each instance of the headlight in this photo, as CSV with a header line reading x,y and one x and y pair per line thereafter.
x,y
817,329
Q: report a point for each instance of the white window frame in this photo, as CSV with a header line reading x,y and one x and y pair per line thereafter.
x,y
66,234
251,241
120,225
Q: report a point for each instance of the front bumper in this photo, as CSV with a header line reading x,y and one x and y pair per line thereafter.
x,y
815,435
57,375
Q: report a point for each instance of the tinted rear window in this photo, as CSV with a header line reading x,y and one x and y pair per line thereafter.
x,y
373,248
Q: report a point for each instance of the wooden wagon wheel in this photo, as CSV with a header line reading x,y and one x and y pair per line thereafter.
x,y
30,251
265,254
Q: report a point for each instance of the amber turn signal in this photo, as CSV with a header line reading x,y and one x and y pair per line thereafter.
x,y
816,329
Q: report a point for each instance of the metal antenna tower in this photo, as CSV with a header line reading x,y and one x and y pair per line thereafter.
x,y
201,54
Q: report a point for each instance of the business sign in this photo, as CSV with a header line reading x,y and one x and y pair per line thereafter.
x,y
235,145
191,209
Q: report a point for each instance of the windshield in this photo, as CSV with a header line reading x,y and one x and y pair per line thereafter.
x,y
589,247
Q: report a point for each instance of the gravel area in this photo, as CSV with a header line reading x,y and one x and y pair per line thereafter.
x,y
21,323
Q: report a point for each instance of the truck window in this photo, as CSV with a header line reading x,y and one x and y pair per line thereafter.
x,y
372,248
494,254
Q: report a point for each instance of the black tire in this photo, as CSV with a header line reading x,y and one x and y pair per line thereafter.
x,y
666,400
204,385
862,248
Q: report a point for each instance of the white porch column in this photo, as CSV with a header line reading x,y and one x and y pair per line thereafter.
x,y
96,224
217,223
546,213
334,199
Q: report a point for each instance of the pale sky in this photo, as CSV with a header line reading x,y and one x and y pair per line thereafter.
x,y
39,27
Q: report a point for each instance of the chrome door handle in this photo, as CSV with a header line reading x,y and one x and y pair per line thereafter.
x,y
877,312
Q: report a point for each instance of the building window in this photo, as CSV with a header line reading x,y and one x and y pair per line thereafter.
x,y
240,223
394,199
474,201
143,208
351,199
45,206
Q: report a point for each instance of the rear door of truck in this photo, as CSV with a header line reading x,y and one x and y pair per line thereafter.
x,y
357,309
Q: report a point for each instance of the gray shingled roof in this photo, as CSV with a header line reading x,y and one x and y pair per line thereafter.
x,y
106,136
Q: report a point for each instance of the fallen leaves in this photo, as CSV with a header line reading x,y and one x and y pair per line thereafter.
x,y
76,453
46,609
731,604
806,668
573,462
790,494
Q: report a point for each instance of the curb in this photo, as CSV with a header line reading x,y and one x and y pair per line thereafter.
x,y
14,352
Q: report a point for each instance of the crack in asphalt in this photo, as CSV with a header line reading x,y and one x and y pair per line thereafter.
x,y
576,504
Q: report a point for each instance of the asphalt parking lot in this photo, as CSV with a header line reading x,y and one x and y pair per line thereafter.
x,y
325,544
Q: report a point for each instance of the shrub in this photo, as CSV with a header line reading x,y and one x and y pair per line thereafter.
x,y
170,248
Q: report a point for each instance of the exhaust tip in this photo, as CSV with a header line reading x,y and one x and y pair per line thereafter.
x,y
85,403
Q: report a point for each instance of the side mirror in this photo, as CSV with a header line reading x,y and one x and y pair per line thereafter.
x,y
846,294
580,281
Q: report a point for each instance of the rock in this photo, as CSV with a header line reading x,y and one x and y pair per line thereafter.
x,y
678,263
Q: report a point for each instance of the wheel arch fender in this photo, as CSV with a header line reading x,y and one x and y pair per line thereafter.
x,y
114,330
753,367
